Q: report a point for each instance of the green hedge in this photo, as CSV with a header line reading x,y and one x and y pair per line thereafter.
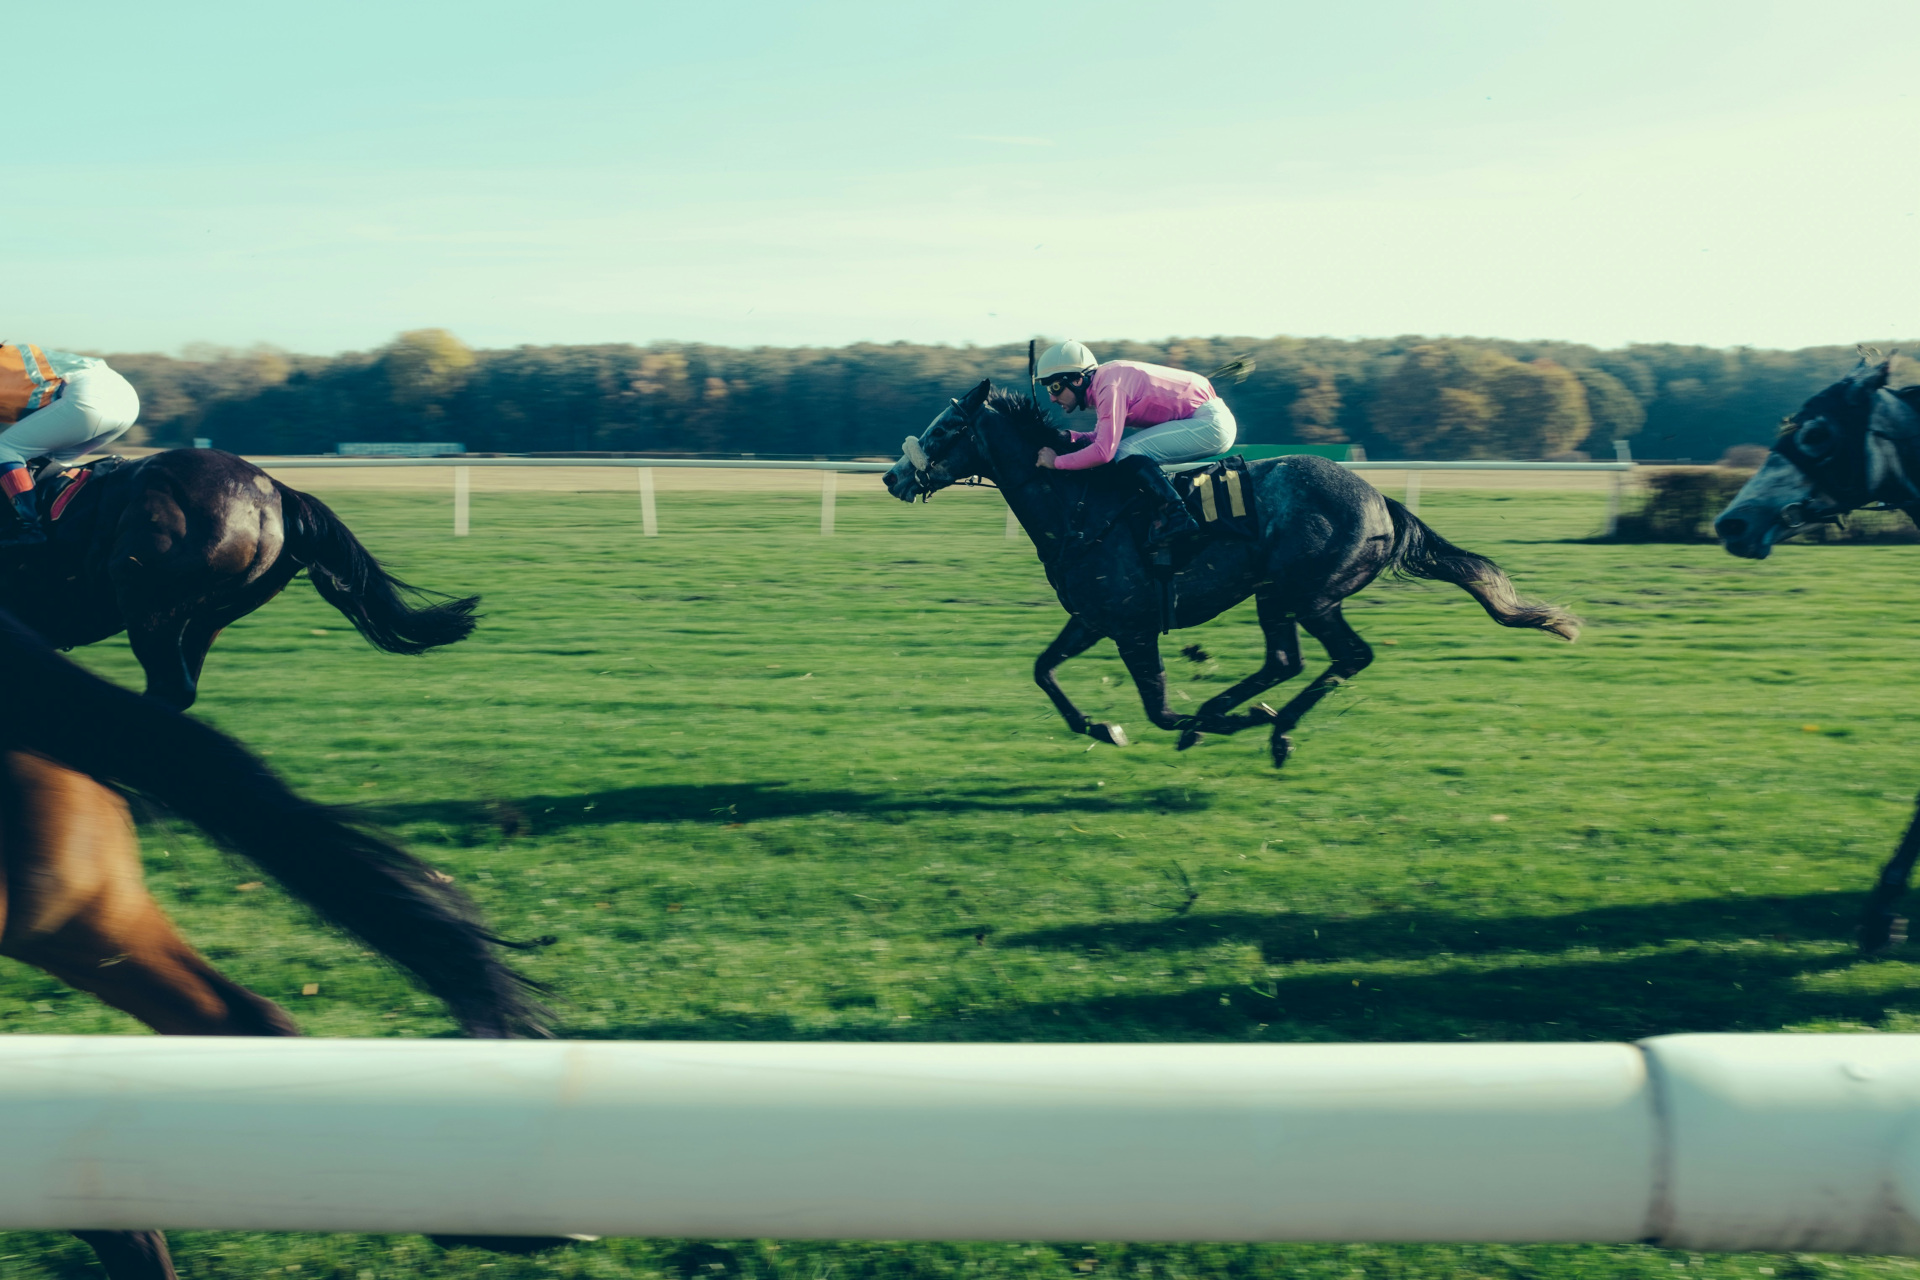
x,y
1680,504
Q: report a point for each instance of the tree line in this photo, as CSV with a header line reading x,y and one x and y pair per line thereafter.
x,y
1409,397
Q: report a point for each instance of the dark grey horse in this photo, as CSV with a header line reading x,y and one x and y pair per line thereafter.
x,y
1856,444
1324,534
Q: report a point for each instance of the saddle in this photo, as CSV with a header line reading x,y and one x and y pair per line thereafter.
x,y
1219,496
66,494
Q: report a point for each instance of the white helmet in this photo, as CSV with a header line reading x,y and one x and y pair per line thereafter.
x,y
1065,357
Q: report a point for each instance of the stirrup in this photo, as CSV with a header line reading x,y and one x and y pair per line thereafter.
x,y
22,534
17,527
1169,526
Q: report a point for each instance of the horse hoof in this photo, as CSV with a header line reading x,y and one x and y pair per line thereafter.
x,y
1188,738
1282,748
1112,733
1880,933
1261,711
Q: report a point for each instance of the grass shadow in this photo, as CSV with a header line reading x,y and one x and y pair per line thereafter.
x,y
731,802
1692,988
1416,934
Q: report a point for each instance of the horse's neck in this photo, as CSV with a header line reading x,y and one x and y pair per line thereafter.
x,y
1031,496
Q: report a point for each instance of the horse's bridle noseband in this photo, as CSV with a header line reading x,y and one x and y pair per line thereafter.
x,y
969,429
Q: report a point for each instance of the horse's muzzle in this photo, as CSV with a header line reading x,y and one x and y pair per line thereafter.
x,y
901,483
1749,530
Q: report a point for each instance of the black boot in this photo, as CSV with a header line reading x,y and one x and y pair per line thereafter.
x,y
1172,522
20,521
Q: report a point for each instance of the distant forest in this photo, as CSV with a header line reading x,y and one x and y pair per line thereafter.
x,y
1397,397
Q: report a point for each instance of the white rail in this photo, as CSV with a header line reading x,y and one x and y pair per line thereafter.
x,y
1697,1142
650,524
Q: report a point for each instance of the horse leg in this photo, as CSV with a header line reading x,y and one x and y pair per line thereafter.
x,y
75,906
131,1255
1880,928
1282,663
1349,656
1141,653
1074,639
205,626
159,642
79,910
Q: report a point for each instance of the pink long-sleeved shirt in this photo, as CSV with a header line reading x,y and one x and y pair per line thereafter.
x,y
1127,393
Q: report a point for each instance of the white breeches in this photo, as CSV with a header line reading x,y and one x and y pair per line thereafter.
x,y
1210,430
95,408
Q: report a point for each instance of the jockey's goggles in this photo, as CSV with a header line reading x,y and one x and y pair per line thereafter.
x,y
1059,382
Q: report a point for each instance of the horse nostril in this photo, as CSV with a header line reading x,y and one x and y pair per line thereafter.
x,y
1730,527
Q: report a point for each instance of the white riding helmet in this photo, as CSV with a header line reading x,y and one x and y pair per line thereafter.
x,y
1065,357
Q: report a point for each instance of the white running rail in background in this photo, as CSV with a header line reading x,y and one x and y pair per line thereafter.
x,y
462,500
1782,1142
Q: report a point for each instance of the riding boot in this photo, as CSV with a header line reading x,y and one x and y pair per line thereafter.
x,y
1172,522
20,518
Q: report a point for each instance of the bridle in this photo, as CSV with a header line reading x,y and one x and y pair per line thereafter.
x,y
1882,462
969,429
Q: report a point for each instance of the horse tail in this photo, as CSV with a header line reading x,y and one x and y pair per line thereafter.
x,y
348,577
351,876
1419,552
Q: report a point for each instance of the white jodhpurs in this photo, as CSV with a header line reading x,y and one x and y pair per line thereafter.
x,y
95,408
1210,430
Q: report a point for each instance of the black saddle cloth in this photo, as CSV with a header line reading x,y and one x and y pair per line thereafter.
x,y
1218,494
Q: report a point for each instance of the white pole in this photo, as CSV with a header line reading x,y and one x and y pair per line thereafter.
x,y
1721,1142
826,503
1622,452
649,521
828,1141
1013,524
462,485
1411,498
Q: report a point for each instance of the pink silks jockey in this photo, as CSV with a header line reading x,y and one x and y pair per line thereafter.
x,y
57,405
1177,416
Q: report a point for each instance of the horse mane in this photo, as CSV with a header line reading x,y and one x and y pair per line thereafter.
x,y
1025,415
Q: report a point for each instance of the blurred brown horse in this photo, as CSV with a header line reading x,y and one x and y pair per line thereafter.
x,y
176,546
72,901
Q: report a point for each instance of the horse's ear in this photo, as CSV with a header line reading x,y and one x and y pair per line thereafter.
x,y
1868,378
976,397
1893,417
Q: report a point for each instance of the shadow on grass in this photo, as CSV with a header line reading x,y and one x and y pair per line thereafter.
x,y
1691,988
1400,935
727,802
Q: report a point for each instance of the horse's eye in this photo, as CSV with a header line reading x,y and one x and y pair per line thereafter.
x,y
1817,436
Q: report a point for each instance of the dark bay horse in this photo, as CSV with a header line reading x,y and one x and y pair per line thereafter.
x,y
176,546
1855,444
1324,534
72,901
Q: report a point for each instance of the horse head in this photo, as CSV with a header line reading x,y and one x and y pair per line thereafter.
x,y
1841,451
946,452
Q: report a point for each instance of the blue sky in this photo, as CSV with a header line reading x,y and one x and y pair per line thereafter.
x,y
322,177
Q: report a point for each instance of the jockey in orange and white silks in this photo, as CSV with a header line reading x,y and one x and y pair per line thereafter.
x,y
1177,416
58,405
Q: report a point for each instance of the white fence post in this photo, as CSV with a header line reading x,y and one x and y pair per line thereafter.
x,y
1622,451
1411,498
827,487
649,521
462,485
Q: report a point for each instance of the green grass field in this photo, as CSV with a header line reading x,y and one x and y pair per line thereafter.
x,y
769,785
